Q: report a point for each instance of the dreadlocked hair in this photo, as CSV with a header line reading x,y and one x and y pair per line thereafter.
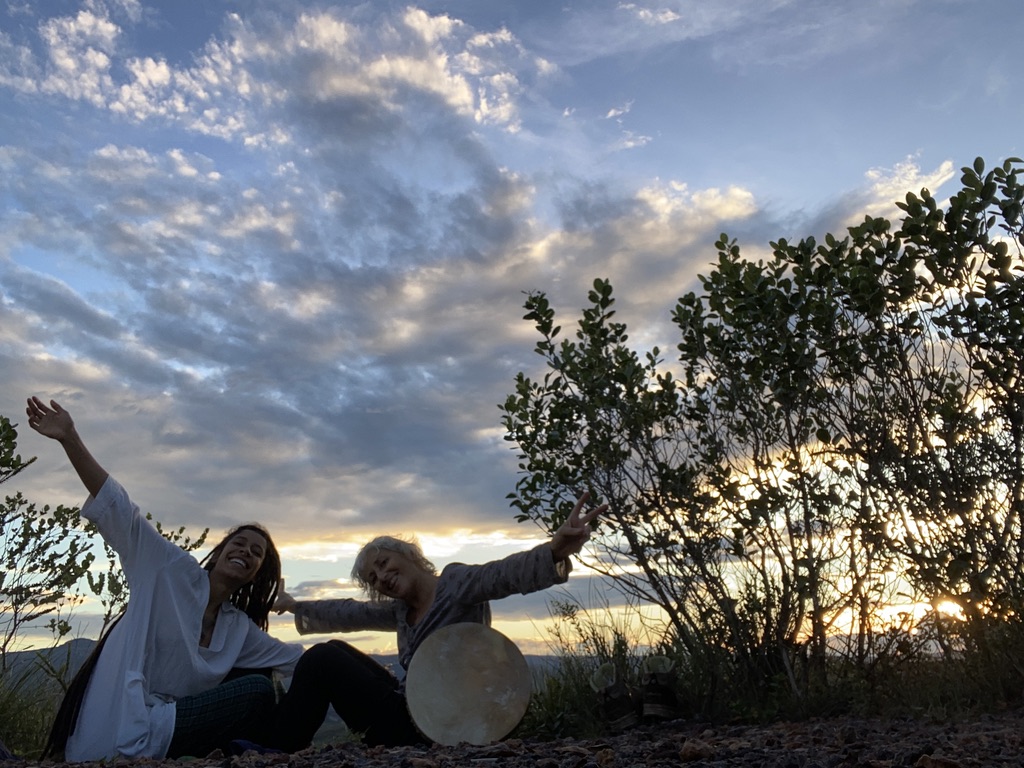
x,y
256,598
67,714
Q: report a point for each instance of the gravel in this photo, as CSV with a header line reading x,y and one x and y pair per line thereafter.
x,y
982,740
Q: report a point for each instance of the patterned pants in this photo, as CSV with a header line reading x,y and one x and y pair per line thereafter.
x,y
239,708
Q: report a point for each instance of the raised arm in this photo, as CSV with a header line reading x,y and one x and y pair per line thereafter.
x,y
54,422
523,572
574,532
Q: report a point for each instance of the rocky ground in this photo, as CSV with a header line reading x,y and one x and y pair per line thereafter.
x,y
985,740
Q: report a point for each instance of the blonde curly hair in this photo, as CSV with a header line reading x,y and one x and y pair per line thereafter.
x,y
409,547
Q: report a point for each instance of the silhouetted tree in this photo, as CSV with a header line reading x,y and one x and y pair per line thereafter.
x,y
841,430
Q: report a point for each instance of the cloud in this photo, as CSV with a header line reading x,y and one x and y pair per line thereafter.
x,y
616,112
652,244
794,35
605,29
71,315
265,64
281,276
332,589
652,16
79,50
878,197
889,185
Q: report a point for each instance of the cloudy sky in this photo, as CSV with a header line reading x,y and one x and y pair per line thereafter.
x,y
272,256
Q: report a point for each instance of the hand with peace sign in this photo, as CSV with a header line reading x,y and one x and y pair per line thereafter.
x,y
574,532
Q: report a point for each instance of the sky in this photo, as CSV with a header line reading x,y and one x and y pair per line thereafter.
x,y
273,256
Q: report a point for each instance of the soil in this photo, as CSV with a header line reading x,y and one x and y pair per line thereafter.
x,y
983,740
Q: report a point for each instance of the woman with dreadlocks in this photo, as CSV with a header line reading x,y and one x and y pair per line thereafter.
x,y
184,670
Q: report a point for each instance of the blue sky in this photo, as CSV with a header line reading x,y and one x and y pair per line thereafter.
x,y
272,256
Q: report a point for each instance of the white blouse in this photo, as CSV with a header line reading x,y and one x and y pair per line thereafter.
x,y
153,657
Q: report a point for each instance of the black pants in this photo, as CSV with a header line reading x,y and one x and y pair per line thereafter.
x,y
363,693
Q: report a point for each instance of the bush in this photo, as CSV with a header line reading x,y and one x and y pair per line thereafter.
x,y
30,693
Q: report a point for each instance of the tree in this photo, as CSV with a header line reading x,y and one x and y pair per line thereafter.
x,y
843,423
45,554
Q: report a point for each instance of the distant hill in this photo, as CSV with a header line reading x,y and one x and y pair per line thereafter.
x,y
40,666
540,666
69,656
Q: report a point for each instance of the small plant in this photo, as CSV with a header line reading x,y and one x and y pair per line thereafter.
x,y
29,695
583,641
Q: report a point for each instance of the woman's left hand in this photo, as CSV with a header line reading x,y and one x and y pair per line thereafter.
x,y
575,531
284,602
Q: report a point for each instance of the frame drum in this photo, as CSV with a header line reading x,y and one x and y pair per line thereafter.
x,y
467,683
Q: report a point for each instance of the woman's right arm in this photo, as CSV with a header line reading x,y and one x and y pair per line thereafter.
x,y
54,422
118,519
319,616
313,617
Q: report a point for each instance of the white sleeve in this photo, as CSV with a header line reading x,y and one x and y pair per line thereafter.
x,y
138,544
261,651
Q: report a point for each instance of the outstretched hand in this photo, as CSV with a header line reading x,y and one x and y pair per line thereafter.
x,y
575,531
284,601
49,420
54,422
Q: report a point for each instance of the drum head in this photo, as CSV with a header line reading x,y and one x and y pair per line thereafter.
x,y
467,682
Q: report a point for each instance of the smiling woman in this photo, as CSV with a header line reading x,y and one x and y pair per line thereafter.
x,y
185,669
409,597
